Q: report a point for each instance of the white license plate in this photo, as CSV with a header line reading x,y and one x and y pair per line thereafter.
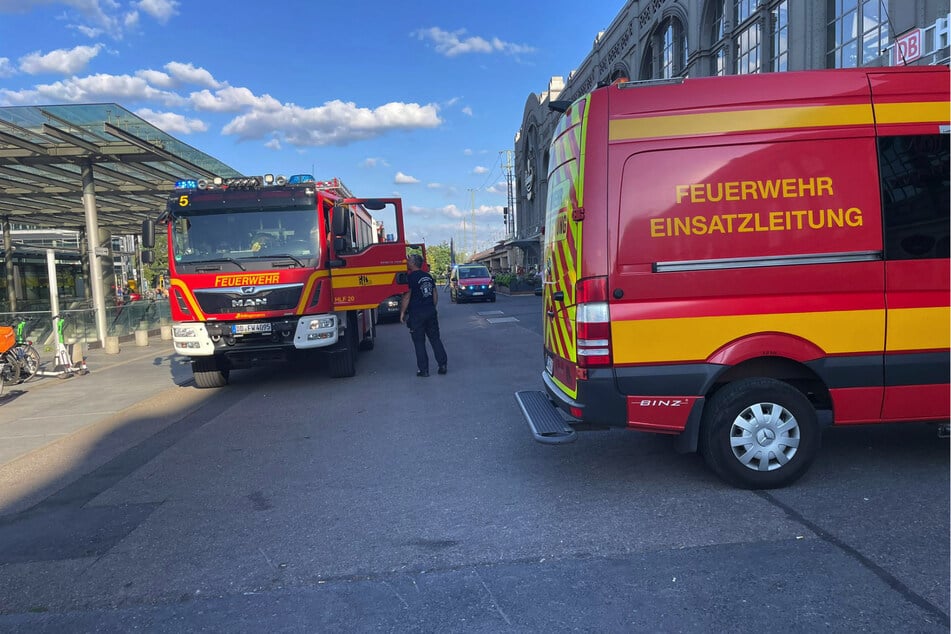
x,y
478,293
243,329
548,365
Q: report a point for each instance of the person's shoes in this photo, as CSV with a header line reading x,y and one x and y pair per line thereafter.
x,y
422,373
442,369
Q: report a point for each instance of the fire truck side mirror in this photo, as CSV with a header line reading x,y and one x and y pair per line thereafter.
x,y
340,221
148,233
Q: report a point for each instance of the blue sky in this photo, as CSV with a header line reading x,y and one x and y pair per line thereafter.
x,y
414,99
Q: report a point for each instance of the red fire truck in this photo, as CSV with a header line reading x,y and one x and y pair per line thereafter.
x,y
266,267
741,260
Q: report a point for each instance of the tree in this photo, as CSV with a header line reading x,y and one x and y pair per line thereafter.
x,y
437,256
160,252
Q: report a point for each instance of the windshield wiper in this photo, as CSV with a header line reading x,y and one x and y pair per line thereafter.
x,y
232,260
276,255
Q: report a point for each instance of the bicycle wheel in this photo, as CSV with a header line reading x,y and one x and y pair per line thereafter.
x,y
29,361
11,368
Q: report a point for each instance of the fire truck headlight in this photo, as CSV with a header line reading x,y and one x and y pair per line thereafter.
x,y
184,331
321,323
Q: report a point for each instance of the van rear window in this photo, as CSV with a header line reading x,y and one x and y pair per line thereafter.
x,y
914,173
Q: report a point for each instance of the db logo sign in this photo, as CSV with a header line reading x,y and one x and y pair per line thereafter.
x,y
908,47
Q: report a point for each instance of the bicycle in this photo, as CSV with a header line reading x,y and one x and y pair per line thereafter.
x,y
9,366
23,352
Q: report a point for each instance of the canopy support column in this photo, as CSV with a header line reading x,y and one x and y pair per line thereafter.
x,y
92,236
8,264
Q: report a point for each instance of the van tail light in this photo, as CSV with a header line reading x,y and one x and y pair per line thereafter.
x,y
593,323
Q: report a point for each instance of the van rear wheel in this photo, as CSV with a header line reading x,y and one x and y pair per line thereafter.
x,y
759,433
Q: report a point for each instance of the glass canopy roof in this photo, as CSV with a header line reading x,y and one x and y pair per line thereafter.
x,y
44,149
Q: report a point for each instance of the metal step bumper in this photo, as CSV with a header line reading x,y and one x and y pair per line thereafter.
x,y
546,422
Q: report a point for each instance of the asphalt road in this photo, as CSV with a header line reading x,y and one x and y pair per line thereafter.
x,y
292,502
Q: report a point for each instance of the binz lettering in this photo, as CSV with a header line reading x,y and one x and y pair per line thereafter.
x,y
656,402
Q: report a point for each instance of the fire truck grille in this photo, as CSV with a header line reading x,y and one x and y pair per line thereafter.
x,y
249,298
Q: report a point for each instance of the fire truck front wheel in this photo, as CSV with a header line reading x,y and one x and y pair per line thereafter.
x,y
759,433
343,357
208,373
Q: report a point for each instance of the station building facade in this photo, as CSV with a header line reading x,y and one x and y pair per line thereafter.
x,y
663,39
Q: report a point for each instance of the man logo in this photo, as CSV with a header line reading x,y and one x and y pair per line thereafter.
x,y
246,303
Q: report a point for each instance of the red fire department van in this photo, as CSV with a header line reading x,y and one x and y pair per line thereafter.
x,y
740,261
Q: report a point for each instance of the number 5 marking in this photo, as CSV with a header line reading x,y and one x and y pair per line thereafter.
x,y
183,201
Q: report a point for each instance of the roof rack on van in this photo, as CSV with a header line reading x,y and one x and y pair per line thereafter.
x,y
651,82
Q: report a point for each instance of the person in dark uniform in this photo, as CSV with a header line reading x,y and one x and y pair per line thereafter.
x,y
418,311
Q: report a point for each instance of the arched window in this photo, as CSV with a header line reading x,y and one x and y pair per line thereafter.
x,y
745,36
665,55
857,33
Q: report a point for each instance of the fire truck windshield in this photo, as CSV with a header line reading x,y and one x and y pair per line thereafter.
x,y
207,236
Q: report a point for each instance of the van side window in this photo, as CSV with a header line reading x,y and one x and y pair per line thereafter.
x,y
915,201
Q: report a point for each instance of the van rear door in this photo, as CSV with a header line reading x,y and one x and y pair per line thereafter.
x,y
562,251
911,114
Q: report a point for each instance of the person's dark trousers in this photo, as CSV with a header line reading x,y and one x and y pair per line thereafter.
x,y
422,326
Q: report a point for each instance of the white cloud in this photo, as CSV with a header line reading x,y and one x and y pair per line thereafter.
x,y
156,78
404,179
273,144
62,61
189,74
373,161
6,68
334,123
480,170
130,21
451,43
171,122
467,152
161,10
434,186
93,88
467,110
231,99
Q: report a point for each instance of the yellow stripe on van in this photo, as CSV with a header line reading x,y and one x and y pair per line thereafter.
x,y
740,121
920,112
696,338
918,329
